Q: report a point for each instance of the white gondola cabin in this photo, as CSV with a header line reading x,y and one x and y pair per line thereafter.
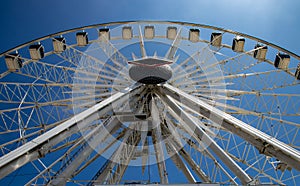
x,y
36,51
13,61
171,32
216,39
127,32
59,44
149,32
194,35
104,34
282,61
238,44
260,52
82,38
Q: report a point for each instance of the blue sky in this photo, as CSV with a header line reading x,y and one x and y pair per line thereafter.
x,y
276,21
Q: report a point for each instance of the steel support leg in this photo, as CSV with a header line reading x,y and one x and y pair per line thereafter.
x,y
201,136
157,142
178,162
191,162
174,141
108,175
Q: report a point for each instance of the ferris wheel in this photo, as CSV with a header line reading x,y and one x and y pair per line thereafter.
x,y
148,102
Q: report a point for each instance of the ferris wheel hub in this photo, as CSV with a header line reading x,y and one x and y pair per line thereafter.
x,y
150,70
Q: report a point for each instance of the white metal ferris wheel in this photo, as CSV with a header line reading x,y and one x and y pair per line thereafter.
x,y
149,102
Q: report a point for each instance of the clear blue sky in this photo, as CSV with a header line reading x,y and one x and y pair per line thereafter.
x,y
276,21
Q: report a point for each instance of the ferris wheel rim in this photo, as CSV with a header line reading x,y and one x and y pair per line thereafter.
x,y
153,21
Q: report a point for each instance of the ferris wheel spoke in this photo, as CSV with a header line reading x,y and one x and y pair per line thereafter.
x,y
75,56
174,47
256,112
193,69
142,45
102,173
32,77
91,160
243,77
237,92
94,73
38,129
120,61
176,69
203,55
204,137
91,64
130,149
97,95
89,143
274,80
233,124
86,71
233,76
215,97
284,104
175,144
49,172
29,93
47,72
206,67
107,80
261,115
4,74
238,65
203,150
273,116
161,166
258,169
179,163
127,146
260,163
14,124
